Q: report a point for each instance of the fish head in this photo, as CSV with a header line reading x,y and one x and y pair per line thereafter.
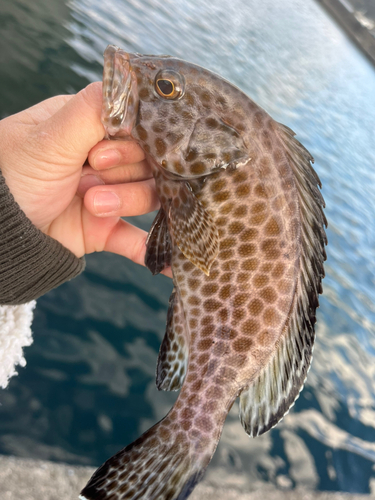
x,y
187,119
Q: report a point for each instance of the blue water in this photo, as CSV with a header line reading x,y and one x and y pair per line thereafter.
x,y
88,387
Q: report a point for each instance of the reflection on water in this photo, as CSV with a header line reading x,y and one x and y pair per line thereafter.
x,y
89,388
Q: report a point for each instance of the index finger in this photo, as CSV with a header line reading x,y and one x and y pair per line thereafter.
x,y
108,154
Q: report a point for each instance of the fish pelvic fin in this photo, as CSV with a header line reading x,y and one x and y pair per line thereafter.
x,y
159,465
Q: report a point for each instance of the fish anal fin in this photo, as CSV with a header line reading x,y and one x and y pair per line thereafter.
x,y
158,245
193,229
173,354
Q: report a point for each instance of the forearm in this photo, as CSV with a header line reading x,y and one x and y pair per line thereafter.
x,y
31,263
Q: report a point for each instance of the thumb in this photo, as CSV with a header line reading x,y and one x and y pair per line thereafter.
x,y
76,127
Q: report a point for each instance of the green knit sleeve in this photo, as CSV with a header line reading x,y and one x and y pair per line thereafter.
x,y
31,263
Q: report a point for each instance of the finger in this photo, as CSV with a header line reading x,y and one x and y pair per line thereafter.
x,y
117,175
115,235
130,241
133,172
89,179
75,128
122,200
108,154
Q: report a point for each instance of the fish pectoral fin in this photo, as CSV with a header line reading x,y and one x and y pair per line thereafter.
x,y
193,229
173,354
158,245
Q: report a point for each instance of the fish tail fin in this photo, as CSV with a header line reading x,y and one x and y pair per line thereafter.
x,y
161,464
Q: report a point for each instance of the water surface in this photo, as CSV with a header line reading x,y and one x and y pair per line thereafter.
x,y
88,388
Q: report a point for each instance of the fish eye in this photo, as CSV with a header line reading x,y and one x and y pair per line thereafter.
x,y
169,84
165,87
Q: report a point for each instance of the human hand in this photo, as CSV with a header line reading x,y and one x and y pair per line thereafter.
x,y
72,184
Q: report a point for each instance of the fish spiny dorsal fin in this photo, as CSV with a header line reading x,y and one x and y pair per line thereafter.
x,y
192,229
264,403
173,354
158,245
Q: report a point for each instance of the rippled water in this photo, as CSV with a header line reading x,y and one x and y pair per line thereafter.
x,y
88,388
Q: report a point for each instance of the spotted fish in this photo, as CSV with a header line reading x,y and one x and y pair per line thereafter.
x,y
242,225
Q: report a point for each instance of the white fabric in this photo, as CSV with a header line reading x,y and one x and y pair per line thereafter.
x,y
15,333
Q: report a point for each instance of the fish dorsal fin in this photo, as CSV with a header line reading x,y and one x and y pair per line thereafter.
x,y
193,229
158,245
173,354
264,403
271,395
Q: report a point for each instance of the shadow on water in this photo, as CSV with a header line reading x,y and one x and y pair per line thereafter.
x,y
88,388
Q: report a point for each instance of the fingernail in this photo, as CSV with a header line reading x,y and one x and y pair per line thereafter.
x,y
106,202
106,158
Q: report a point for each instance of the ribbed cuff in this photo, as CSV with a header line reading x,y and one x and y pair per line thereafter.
x,y
31,263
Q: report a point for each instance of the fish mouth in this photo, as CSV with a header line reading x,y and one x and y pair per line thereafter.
x,y
120,94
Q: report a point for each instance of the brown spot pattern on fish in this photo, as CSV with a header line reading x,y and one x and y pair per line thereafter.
x,y
241,222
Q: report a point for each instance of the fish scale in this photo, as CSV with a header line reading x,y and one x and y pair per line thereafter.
x,y
242,225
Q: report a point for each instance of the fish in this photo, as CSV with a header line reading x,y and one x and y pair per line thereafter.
x,y
242,224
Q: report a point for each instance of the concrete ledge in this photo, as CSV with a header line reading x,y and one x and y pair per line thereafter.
x,y
359,33
24,479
